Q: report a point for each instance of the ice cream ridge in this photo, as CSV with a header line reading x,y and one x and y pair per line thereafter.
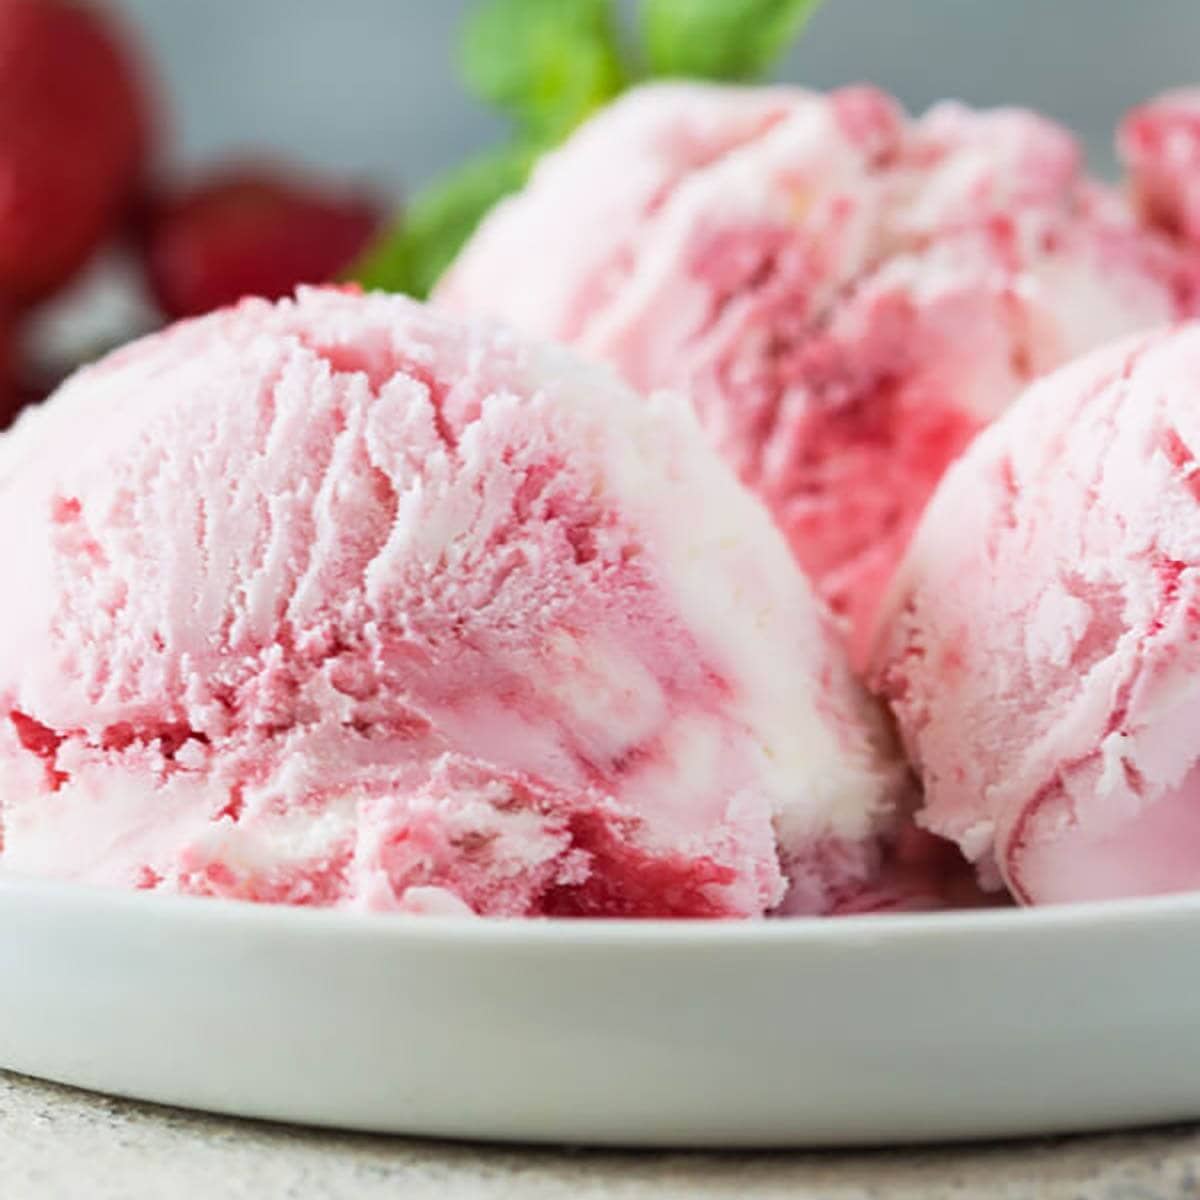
x,y
1041,647
343,601
847,294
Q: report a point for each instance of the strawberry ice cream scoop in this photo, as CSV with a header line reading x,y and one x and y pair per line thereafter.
x,y
343,601
1160,144
847,295
1041,646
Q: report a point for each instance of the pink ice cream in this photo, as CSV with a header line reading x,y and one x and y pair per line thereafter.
x,y
1160,143
1041,647
341,601
847,295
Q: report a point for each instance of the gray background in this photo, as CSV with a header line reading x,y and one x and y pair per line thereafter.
x,y
367,86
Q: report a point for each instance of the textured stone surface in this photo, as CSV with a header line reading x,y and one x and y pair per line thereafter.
x,y
58,1143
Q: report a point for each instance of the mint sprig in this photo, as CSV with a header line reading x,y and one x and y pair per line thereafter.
x,y
720,39
418,248
548,64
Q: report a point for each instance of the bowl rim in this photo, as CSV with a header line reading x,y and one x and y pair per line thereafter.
x,y
219,914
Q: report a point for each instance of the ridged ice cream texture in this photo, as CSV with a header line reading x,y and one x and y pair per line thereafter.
x,y
344,601
1041,646
847,294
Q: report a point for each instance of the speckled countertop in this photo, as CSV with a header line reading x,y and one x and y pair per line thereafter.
x,y
58,1143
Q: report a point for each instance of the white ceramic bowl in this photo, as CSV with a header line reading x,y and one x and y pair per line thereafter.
x,y
790,1033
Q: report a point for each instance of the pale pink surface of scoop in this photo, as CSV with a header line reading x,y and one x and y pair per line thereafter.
x,y
846,294
345,601
1041,645
1159,142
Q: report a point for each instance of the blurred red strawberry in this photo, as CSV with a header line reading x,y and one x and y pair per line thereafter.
x,y
20,382
74,133
11,391
251,231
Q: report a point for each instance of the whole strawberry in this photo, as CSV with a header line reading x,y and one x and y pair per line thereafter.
x,y
250,231
74,132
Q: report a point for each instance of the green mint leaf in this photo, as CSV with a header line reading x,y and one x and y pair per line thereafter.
x,y
546,63
410,257
720,39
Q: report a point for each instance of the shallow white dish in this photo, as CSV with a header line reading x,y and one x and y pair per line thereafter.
x,y
858,1030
